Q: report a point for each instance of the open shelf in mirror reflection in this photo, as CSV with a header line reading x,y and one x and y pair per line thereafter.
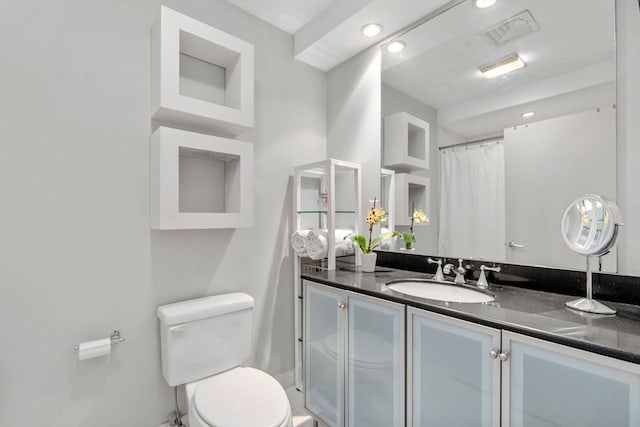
x,y
325,211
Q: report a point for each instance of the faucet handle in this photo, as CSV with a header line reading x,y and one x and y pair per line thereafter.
x,y
495,269
439,275
482,280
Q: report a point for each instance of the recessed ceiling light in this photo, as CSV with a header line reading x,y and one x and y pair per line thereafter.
x,y
396,46
528,114
371,30
481,4
502,66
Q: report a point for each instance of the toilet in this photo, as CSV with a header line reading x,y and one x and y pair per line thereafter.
x,y
204,344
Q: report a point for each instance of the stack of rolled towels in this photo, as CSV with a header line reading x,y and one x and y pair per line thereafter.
x,y
314,243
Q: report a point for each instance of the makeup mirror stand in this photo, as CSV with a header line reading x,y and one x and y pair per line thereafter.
x,y
588,304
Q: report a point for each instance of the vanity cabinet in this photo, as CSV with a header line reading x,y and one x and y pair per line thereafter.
x,y
464,374
547,384
354,358
453,379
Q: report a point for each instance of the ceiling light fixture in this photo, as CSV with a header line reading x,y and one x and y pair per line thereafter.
x,y
482,4
502,66
396,46
371,30
528,114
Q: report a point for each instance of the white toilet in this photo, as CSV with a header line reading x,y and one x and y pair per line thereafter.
x,y
204,343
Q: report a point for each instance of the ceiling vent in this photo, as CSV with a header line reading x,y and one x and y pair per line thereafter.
x,y
510,29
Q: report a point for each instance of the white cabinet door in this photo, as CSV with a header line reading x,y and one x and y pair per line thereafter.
x,y
453,379
324,353
354,352
375,363
550,385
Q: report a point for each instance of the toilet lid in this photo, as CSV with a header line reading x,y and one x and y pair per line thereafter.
x,y
241,397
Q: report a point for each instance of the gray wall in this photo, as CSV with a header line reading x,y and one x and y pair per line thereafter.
x,y
77,257
353,117
394,101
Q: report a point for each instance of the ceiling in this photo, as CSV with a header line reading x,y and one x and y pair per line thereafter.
x,y
569,56
288,15
327,32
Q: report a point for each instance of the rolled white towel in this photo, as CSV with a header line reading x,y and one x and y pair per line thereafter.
x,y
345,247
316,244
298,242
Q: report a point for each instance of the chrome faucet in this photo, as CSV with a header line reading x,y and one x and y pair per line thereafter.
x,y
438,276
459,272
482,281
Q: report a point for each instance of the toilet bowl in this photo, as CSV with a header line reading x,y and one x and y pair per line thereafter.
x,y
205,344
240,397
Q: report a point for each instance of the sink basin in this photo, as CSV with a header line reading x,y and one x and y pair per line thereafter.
x,y
439,291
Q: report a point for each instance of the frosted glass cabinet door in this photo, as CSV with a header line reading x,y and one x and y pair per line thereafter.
x,y
375,363
550,385
454,381
324,343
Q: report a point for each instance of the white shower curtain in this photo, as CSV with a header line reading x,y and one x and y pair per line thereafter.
x,y
472,202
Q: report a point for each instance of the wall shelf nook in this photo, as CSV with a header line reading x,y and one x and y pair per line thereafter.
x,y
410,190
200,181
200,76
406,142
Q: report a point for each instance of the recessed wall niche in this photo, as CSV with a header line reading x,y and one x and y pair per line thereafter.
x,y
200,76
410,190
200,181
406,142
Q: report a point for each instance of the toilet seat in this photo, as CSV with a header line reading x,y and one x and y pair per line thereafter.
x,y
240,397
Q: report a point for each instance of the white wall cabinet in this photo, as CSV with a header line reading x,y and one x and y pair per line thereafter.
x,y
354,358
463,374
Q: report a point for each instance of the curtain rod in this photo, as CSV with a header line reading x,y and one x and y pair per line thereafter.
x,y
474,142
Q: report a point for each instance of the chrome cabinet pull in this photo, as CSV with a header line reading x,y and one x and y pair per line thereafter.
x,y
342,305
513,244
494,354
504,356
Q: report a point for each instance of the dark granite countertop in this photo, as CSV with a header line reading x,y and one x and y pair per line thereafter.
x,y
530,312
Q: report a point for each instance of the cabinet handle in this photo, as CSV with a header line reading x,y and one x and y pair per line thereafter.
x,y
342,305
494,354
504,356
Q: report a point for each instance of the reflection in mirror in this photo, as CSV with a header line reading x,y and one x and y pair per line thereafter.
x,y
590,226
499,178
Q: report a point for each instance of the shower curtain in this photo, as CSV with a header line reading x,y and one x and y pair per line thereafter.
x,y
472,202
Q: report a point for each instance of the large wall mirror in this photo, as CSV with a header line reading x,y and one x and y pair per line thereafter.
x,y
499,179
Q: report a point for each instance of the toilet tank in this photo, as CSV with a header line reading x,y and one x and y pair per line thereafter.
x,y
204,336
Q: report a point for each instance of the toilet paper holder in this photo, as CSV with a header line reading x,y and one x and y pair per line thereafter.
x,y
116,338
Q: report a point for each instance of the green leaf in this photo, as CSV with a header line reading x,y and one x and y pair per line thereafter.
x,y
378,239
408,237
360,240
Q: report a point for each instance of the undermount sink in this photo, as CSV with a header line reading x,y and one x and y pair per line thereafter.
x,y
439,291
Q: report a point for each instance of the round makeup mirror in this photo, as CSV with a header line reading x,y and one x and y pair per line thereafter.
x,y
590,227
